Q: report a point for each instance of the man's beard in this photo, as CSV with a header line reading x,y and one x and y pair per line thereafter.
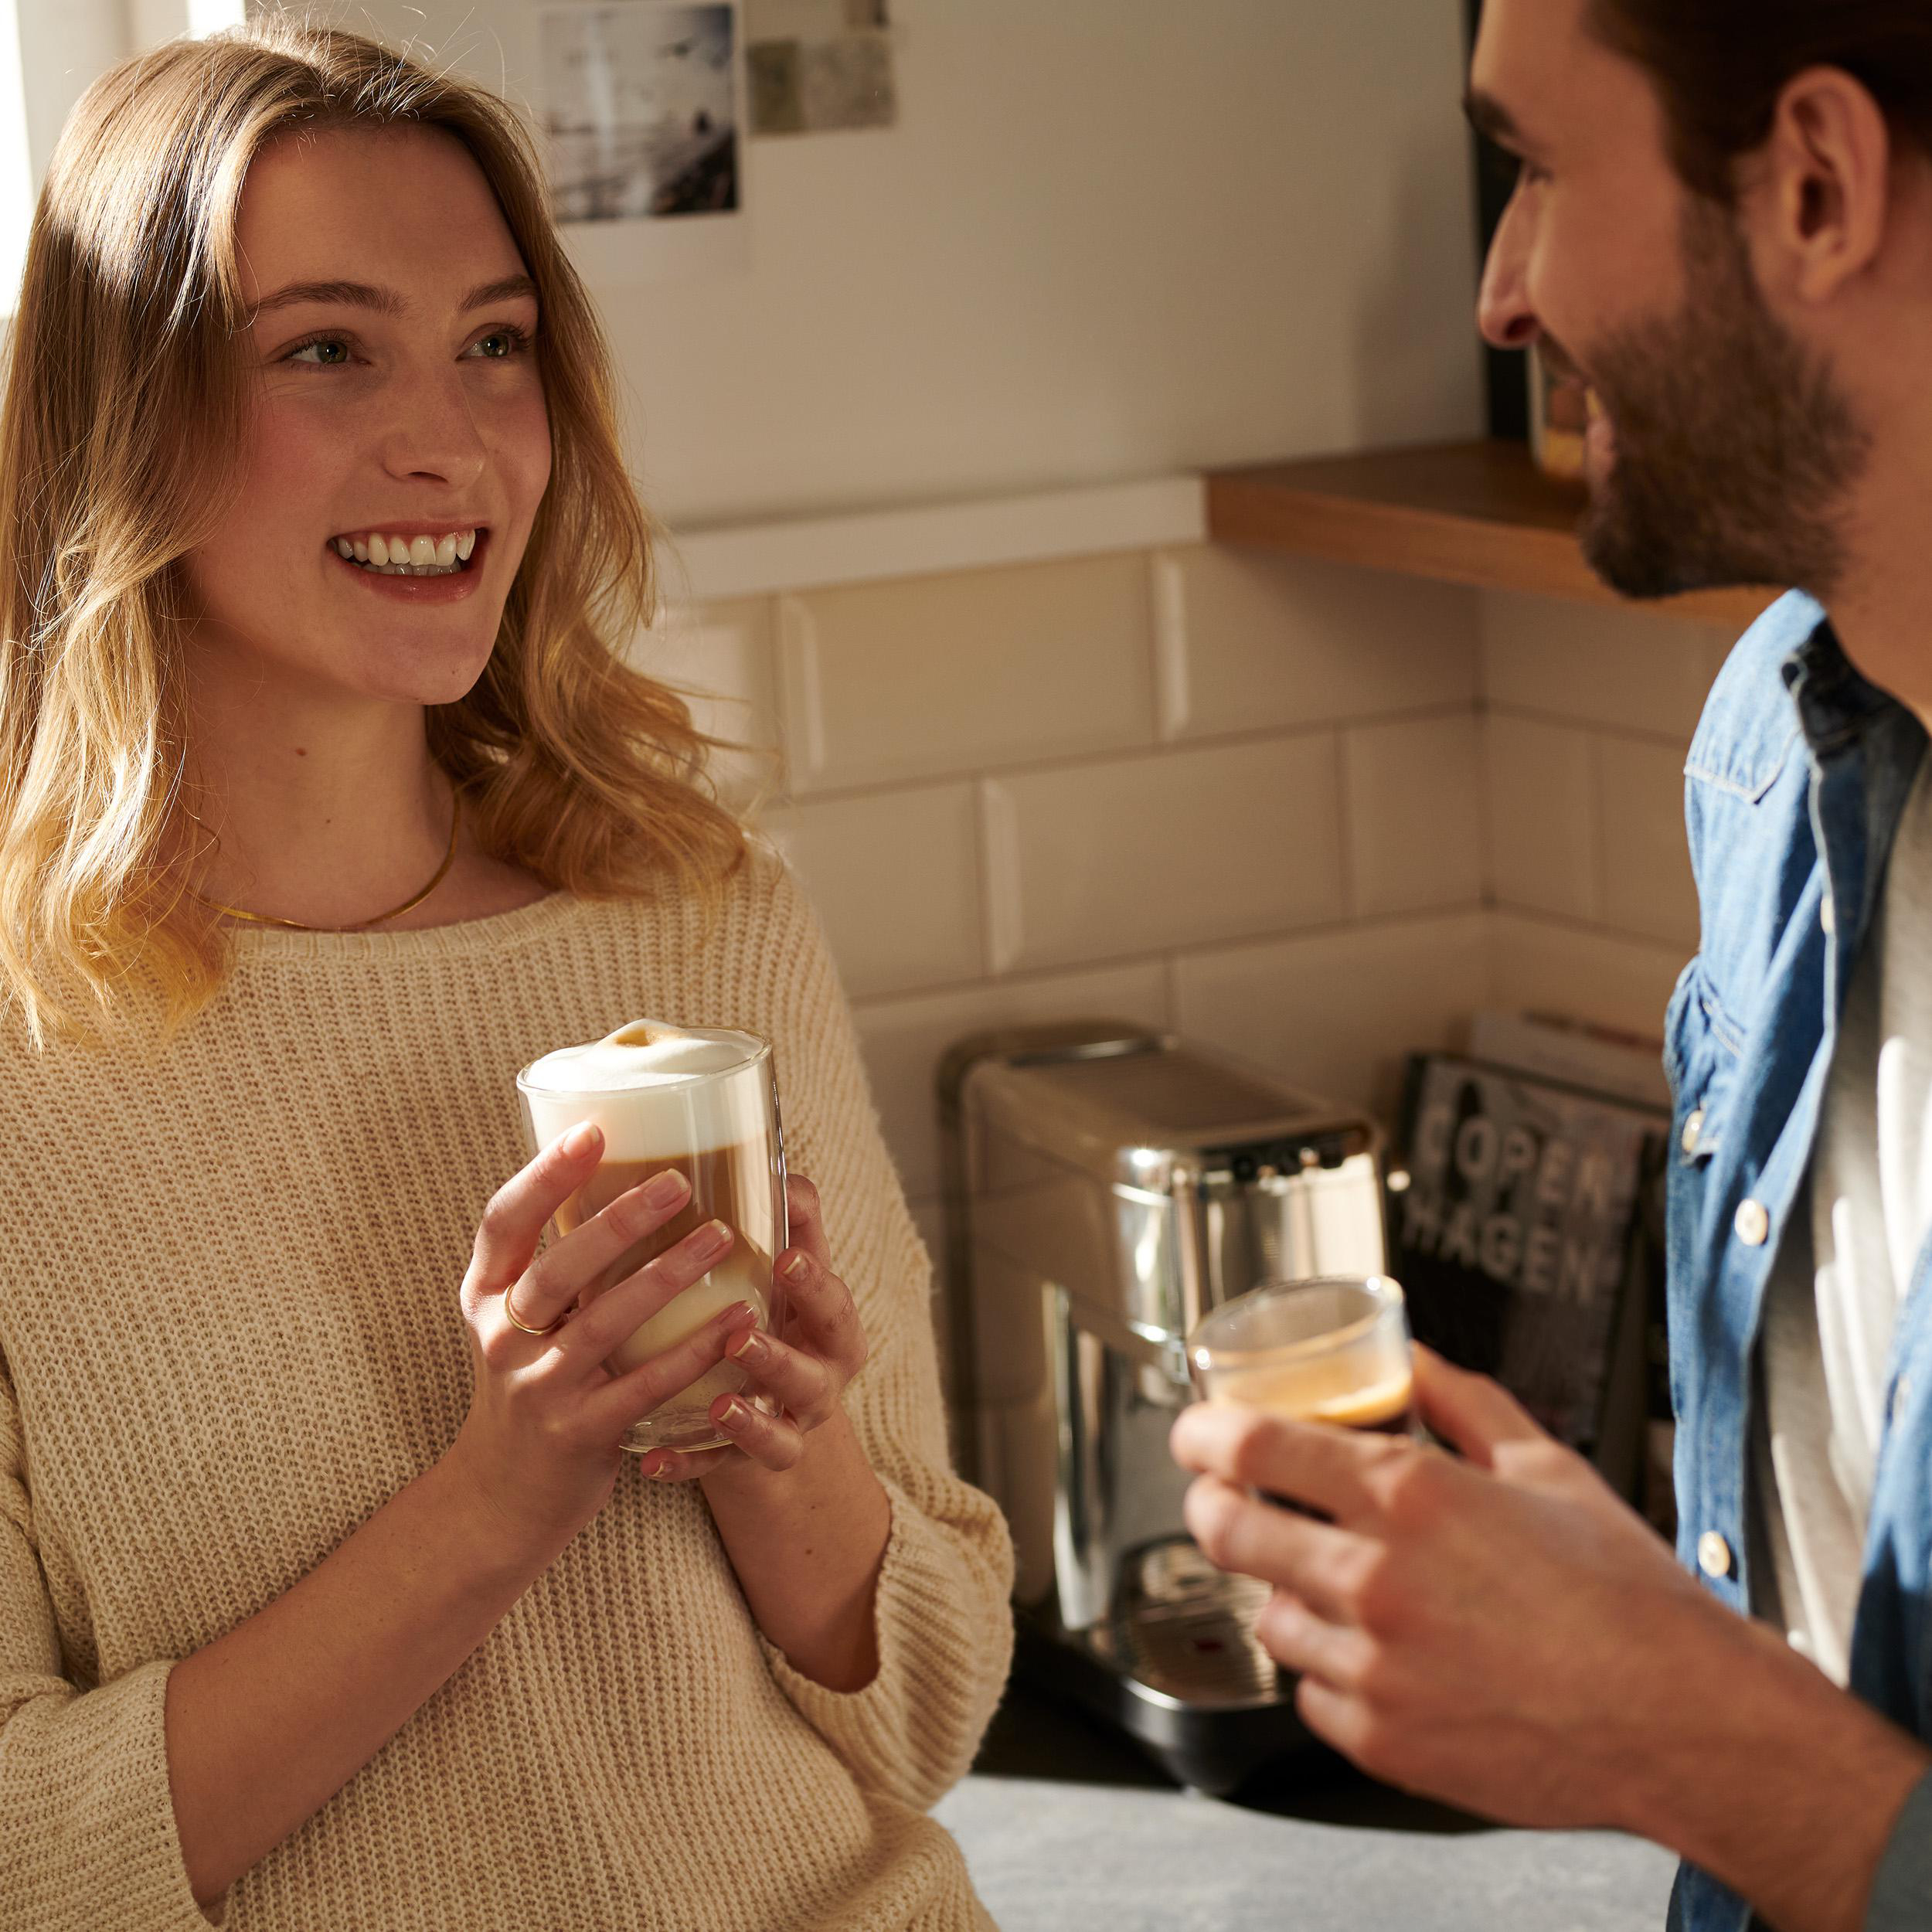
x,y
1736,449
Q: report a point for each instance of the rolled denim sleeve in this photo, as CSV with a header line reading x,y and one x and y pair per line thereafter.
x,y
1902,1893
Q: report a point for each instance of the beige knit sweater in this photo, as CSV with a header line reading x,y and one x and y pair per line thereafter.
x,y
228,1332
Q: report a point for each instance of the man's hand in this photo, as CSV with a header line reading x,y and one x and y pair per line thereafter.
x,y
1502,1631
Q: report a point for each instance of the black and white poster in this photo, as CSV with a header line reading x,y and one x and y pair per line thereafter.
x,y
1516,1236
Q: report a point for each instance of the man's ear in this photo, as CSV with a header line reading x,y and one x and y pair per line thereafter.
x,y
1822,186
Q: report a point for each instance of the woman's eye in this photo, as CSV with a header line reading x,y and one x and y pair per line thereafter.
x,y
326,351
500,343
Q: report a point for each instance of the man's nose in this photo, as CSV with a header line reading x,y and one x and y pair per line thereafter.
x,y
1504,312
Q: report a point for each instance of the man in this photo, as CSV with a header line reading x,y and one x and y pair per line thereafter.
x,y
1724,224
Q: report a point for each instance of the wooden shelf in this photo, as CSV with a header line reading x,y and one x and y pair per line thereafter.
x,y
1474,513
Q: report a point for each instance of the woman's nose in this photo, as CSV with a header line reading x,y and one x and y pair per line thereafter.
x,y
433,432
1504,312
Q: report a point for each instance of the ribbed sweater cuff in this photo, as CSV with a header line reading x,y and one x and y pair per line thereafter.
x,y
85,1799
912,1731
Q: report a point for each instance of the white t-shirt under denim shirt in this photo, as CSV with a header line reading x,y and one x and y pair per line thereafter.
x,y
1833,1303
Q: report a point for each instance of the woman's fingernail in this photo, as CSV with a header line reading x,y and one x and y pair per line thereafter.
x,y
581,1138
796,1268
713,1238
662,1190
748,1347
734,1414
740,1314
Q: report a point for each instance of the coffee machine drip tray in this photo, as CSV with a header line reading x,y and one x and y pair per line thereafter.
x,y
1185,1630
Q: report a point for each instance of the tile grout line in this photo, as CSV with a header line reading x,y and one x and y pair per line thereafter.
x,y
1173,958
1563,721
1121,754
1680,949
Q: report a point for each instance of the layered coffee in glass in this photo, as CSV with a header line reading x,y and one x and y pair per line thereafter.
x,y
1335,1350
703,1100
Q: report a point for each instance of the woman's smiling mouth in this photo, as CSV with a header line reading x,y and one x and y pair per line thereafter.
x,y
419,566
412,554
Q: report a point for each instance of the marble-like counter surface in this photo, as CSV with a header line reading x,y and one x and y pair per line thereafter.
x,y
1067,1828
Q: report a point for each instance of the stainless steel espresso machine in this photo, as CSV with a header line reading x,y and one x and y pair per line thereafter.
x,y
1107,1187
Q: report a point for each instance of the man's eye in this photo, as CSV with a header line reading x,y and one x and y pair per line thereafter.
x,y
324,351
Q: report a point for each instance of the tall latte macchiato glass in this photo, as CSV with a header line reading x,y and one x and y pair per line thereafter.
x,y
703,1100
1335,1350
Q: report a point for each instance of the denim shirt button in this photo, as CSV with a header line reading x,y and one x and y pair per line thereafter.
x,y
1713,1554
1827,916
1693,1129
1753,1223
1901,1395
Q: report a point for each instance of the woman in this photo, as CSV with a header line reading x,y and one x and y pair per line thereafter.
x,y
326,1598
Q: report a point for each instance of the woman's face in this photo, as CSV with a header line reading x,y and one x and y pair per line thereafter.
x,y
398,408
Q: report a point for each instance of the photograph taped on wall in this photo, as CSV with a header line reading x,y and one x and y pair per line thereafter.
x,y
640,109
818,66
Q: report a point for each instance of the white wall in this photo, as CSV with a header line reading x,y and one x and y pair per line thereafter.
x,y
1109,238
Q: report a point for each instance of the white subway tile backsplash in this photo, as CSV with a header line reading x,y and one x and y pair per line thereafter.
x,y
1647,886
720,658
1538,966
1248,641
921,678
1595,664
1133,856
1414,802
902,1041
1541,802
1336,1012
1174,760
895,878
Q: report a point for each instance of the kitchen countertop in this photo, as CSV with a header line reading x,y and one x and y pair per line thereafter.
x,y
1067,1827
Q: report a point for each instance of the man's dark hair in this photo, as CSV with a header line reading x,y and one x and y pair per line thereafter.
x,y
1721,65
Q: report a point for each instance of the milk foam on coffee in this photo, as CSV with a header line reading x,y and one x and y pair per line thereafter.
x,y
696,1099
655,1090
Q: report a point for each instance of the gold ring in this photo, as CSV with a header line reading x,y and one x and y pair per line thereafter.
x,y
509,1315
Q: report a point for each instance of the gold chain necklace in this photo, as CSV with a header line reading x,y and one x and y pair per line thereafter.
x,y
395,912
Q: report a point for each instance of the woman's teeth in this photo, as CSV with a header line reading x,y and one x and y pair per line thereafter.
x,y
409,556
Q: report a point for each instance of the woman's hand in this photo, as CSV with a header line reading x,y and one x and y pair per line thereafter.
x,y
540,1442
804,1369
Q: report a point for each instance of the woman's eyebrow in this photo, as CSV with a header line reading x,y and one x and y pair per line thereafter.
x,y
509,290
386,301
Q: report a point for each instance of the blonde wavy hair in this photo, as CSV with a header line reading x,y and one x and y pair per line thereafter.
x,y
126,401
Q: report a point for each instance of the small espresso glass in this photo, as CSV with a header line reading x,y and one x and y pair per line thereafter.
x,y
1334,1350
703,1100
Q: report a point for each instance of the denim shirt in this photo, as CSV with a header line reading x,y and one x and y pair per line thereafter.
x,y
1795,785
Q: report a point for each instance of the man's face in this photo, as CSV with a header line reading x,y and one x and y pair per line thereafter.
x,y
1722,449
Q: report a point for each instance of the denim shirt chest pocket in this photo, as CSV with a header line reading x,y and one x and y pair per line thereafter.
x,y
1733,781
1741,776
